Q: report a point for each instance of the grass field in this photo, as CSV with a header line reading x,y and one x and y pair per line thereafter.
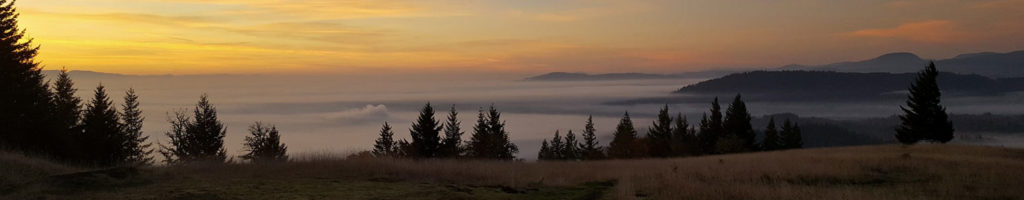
x,y
867,172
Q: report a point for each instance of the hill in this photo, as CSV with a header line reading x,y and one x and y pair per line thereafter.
x,y
843,86
996,65
863,172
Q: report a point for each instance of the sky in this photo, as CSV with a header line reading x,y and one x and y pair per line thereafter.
x,y
511,37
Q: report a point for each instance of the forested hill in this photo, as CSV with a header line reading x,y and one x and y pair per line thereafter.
x,y
831,86
996,65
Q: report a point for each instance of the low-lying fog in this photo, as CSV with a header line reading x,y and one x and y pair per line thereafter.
x,y
342,114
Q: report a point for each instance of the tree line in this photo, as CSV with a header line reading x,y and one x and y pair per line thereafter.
x,y
670,136
489,139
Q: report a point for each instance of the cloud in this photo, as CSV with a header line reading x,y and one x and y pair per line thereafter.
x,y
369,113
932,31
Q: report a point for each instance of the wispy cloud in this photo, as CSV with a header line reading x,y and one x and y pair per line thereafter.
x,y
932,31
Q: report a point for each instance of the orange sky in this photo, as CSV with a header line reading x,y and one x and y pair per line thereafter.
x,y
349,36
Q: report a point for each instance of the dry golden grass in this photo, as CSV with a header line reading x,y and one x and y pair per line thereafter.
x,y
867,172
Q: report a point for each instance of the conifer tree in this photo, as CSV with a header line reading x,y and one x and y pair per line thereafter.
x,y
557,147
136,148
737,125
451,146
200,138
506,150
101,132
924,118
791,136
589,147
264,144
772,140
489,139
26,108
571,150
479,142
684,140
545,151
426,134
659,135
711,128
385,145
622,145
67,112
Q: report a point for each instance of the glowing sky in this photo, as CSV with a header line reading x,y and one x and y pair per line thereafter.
x,y
514,36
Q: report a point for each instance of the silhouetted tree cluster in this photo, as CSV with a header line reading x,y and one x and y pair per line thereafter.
x,y
923,118
674,137
489,139
196,138
264,144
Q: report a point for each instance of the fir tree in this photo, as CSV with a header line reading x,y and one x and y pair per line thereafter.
x,y
589,147
264,145
684,140
659,136
101,132
557,147
426,134
506,150
924,118
622,145
200,138
772,140
451,146
26,108
67,112
711,128
385,145
737,125
545,151
571,150
135,146
791,136
489,139
479,142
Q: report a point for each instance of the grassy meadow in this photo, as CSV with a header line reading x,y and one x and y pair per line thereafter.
x,y
866,172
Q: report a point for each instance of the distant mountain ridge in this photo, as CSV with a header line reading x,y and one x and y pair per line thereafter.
x,y
990,64
843,86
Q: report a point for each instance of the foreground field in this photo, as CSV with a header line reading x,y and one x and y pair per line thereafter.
x,y
868,172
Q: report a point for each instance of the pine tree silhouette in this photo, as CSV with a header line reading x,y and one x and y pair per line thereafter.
x,y
557,147
772,140
711,128
545,151
590,146
489,139
26,108
737,125
101,132
684,140
67,112
451,146
263,144
791,138
659,135
135,146
426,134
571,150
622,145
924,118
200,138
385,145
